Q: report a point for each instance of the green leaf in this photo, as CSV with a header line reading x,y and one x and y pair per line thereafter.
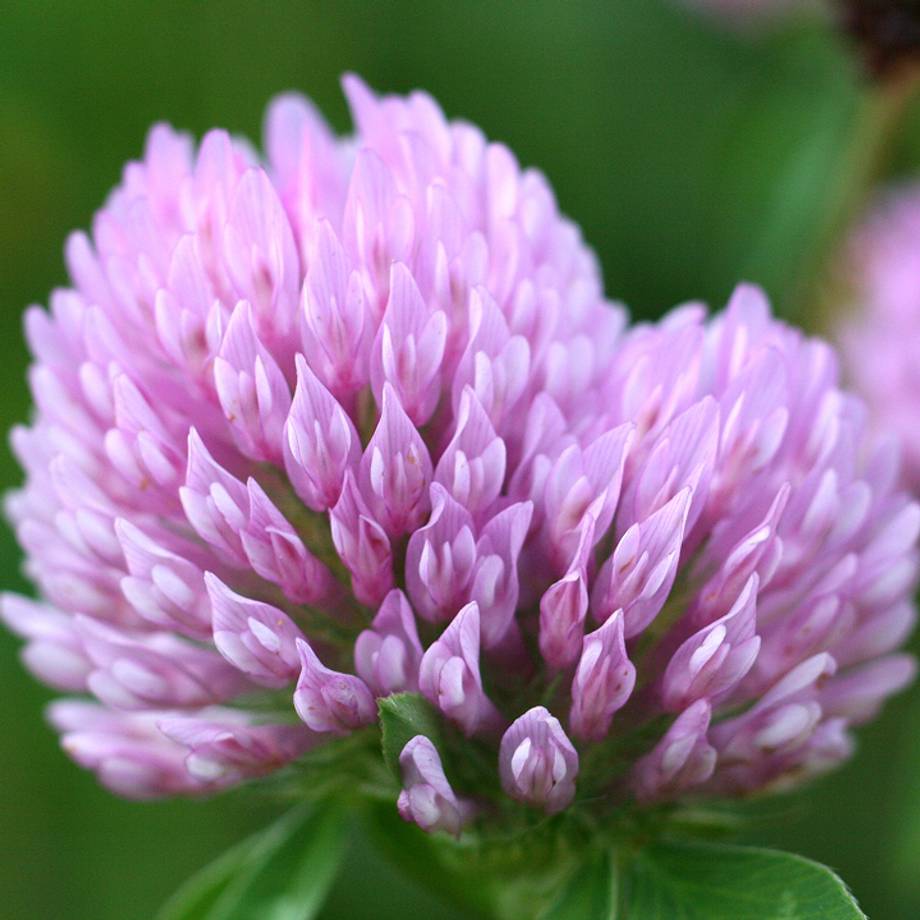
x,y
707,881
434,862
281,873
402,717
591,894
197,896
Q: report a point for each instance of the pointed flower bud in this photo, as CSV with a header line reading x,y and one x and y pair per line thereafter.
x,y
254,637
387,655
215,502
683,758
780,722
758,550
305,164
329,701
639,575
261,258
472,467
377,225
142,445
224,746
336,323
395,470
604,680
495,364
426,798
682,457
164,585
537,762
362,544
440,558
496,584
54,652
125,749
277,553
858,694
714,660
155,670
449,675
251,388
564,606
583,481
409,348
319,441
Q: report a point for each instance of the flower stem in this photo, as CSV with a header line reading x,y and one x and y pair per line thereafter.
x,y
880,114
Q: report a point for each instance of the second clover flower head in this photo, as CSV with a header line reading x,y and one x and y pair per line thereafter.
x,y
355,419
880,335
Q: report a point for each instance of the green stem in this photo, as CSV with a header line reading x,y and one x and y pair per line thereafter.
x,y
880,114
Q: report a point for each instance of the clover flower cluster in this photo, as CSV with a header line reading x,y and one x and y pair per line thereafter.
x,y
881,338
357,420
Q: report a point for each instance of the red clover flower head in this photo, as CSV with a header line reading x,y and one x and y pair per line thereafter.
x,y
355,419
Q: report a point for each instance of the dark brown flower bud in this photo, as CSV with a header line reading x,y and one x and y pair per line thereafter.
x,y
886,31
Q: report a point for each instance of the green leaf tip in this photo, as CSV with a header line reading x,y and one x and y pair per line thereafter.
x,y
281,873
402,717
710,881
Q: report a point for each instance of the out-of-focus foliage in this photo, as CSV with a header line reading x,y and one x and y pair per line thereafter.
x,y
690,156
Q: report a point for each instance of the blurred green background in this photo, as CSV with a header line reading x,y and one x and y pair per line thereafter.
x,y
691,155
